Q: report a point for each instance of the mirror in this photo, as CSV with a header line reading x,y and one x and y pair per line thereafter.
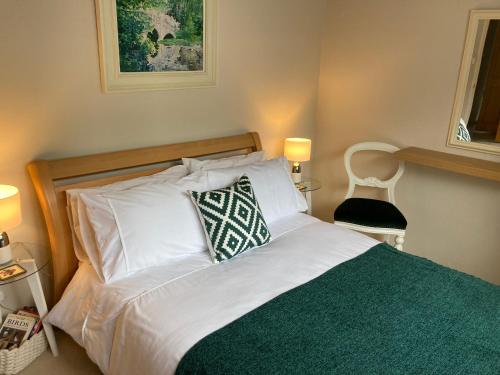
x,y
475,121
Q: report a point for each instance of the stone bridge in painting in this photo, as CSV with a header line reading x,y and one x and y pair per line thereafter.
x,y
165,25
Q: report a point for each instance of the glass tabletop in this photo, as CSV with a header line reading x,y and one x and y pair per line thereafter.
x,y
23,254
308,184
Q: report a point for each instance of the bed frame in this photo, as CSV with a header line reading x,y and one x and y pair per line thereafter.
x,y
52,178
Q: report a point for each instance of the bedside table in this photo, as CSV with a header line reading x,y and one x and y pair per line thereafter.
x,y
23,254
307,186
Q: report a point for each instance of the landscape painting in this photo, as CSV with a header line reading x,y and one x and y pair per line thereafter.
x,y
160,35
156,44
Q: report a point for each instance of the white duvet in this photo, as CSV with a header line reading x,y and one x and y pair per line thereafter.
x,y
145,323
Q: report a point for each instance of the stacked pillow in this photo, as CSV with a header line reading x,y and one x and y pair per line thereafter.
x,y
277,195
146,225
84,243
129,226
194,165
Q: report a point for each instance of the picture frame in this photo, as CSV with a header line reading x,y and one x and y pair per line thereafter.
x,y
11,271
165,53
467,81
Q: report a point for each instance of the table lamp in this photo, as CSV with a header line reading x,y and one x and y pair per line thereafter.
x,y
10,217
297,150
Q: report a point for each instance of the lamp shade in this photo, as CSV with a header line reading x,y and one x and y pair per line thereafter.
x,y
10,207
298,149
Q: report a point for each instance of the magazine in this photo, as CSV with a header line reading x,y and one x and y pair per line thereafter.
x,y
15,330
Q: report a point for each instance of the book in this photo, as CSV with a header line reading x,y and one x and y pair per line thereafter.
x,y
30,309
32,312
15,330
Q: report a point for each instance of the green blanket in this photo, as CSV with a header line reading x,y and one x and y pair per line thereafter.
x,y
384,312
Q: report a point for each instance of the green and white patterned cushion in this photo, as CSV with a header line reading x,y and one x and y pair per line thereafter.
x,y
463,134
232,220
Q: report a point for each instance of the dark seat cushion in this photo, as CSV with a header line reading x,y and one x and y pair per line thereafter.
x,y
370,213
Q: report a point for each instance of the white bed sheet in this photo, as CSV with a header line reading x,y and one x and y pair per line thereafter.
x,y
147,322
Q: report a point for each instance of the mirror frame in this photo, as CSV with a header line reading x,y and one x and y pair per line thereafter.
x,y
475,17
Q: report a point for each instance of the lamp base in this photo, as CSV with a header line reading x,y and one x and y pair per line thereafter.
x,y
5,250
5,254
296,173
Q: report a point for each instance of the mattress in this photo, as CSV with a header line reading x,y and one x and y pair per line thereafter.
x,y
147,322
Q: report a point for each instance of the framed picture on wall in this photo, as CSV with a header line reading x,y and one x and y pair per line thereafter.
x,y
156,44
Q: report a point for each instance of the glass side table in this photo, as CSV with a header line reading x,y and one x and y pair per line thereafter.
x,y
306,187
33,259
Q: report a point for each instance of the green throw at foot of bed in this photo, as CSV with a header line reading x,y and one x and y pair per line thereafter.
x,y
384,312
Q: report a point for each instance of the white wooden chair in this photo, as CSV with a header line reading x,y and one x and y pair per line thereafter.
x,y
372,215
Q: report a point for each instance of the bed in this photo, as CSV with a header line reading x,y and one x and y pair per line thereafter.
x,y
317,299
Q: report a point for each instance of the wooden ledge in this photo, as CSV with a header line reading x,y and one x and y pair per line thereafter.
x,y
454,163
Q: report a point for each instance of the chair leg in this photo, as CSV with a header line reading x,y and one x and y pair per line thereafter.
x,y
399,242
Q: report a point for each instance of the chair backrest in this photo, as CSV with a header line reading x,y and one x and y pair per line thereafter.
x,y
354,180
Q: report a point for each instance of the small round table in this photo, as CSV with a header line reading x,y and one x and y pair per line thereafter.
x,y
23,253
307,186
33,259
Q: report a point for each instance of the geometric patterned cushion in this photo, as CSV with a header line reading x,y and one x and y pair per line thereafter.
x,y
463,133
232,220
370,213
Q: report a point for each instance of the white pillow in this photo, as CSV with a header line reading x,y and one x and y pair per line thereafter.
x,y
146,225
83,236
194,165
273,186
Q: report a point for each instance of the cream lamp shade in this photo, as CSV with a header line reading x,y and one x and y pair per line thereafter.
x,y
10,207
298,149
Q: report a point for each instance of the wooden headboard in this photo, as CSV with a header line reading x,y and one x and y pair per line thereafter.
x,y
52,178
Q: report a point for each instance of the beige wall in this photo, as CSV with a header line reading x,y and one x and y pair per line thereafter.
x,y
389,70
